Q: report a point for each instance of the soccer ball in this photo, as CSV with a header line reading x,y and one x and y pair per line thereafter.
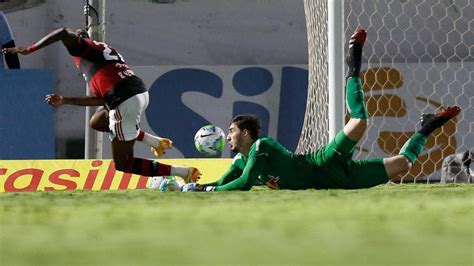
x,y
209,140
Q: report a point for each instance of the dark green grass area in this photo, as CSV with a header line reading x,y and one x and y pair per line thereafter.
x,y
387,225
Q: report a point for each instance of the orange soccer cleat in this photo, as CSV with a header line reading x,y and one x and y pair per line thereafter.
x,y
163,145
193,175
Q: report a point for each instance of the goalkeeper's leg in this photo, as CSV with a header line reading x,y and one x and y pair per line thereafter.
x,y
372,172
356,126
414,146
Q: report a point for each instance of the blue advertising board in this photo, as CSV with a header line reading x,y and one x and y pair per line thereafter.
x,y
26,122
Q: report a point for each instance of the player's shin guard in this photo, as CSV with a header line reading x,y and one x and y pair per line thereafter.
x,y
414,146
355,98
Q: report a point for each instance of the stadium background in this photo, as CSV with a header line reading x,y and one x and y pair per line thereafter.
x,y
407,224
185,33
194,55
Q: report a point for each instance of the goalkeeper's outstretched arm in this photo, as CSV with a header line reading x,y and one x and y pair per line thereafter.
x,y
249,175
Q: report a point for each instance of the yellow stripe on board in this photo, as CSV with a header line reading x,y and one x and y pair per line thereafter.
x,y
52,175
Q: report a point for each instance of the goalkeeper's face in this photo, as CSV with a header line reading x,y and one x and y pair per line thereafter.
x,y
236,138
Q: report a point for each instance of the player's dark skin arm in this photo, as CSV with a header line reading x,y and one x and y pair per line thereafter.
x,y
62,34
55,99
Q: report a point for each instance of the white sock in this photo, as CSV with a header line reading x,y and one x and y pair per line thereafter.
x,y
153,141
180,171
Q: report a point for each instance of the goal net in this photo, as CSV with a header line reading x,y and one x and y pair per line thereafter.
x,y
316,121
418,58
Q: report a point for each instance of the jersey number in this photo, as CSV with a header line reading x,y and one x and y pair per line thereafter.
x,y
108,53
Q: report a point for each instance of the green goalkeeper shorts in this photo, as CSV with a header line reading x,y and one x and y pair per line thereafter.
x,y
334,167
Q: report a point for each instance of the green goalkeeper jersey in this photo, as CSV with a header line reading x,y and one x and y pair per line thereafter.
x,y
270,163
331,166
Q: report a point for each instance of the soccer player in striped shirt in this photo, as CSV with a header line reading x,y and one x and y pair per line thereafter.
x,y
123,98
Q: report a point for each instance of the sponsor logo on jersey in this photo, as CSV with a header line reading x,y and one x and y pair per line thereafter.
x,y
273,182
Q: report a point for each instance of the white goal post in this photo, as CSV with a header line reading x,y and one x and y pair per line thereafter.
x,y
96,27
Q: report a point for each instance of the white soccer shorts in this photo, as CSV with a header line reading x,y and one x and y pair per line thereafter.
x,y
124,120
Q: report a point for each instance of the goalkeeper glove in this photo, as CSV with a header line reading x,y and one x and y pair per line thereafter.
x,y
195,187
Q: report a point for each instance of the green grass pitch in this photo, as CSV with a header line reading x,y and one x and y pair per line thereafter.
x,y
386,225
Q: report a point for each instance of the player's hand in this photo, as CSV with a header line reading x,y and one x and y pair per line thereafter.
x,y
54,99
16,50
195,187
206,188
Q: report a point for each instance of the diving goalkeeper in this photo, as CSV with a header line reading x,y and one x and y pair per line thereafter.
x,y
332,166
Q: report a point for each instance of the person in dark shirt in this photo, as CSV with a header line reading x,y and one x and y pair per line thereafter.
x,y
7,41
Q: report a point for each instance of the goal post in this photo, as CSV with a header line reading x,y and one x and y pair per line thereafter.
x,y
95,19
336,66
325,105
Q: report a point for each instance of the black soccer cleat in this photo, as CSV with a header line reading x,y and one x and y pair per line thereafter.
x,y
354,56
430,122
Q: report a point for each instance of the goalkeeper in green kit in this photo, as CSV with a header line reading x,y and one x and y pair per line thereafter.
x,y
266,160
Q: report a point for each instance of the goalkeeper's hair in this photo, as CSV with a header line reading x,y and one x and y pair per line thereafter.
x,y
249,122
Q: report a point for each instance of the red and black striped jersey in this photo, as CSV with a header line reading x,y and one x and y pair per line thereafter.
x,y
105,71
